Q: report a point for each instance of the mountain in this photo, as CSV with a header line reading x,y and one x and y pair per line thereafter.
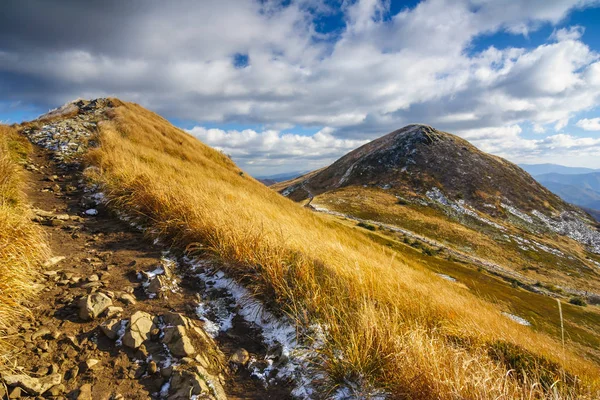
x,y
582,190
440,189
285,176
418,158
540,169
179,276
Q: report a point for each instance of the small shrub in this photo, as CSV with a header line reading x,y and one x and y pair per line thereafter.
x,y
367,226
578,301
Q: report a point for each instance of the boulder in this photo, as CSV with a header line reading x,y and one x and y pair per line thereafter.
x,y
127,298
188,381
111,328
90,307
33,386
138,329
176,338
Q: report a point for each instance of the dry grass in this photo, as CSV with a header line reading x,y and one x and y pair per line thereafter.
x,y
22,245
472,236
391,324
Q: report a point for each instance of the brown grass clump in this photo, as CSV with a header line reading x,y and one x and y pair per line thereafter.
x,y
391,324
22,245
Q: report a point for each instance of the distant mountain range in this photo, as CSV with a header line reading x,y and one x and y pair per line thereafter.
x,y
285,176
541,169
579,186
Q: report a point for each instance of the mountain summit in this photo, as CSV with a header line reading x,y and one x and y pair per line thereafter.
x,y
417,158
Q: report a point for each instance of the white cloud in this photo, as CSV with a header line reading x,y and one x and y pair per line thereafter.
x,y
266,152
368,79
592,124
570,33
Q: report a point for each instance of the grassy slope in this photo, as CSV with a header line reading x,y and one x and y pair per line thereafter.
x,y
484,241
396,324
22,245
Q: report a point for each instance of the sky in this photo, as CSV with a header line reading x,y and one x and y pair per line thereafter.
x,y
293,85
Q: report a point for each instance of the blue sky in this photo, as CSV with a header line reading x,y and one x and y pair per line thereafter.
x,y
293,85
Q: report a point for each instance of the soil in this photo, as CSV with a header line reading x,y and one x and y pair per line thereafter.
x,y
105,246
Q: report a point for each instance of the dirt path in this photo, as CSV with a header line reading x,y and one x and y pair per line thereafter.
x,y
104,255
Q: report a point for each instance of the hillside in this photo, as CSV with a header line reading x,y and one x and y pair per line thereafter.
x,y
218,263
440,190
420,158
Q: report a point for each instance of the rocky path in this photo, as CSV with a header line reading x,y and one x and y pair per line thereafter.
x,y
116,316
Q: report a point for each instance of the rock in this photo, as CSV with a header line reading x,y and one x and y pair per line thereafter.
x,y
157,285
92,285
111,328
91,212
85,392
57,390
33,386
138,329
93,305
240,357
152,368
113,311
166,372
15,393
72,373
90,364
176,338
40,333
2,392
62,217
127,298
188,381
93,278
43,213
53,261
56,222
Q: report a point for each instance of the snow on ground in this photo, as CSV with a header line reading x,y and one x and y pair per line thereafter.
x,y
571,225
277,333
459,207
446,277
517,213
517,319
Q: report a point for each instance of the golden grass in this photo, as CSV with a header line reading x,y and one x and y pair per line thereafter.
x,y
22,244
390,324
382,206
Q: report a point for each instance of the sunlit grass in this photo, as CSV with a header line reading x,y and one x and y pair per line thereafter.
x,y
391,324
22,245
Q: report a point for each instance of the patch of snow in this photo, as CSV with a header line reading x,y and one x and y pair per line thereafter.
x,y
517,213
346,175
164,390
121,332
517,319
571,225
459,207
277,333
447,277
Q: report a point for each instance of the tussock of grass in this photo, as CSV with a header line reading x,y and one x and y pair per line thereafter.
x,y
391,324
22,245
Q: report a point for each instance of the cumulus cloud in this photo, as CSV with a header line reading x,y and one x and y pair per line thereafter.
x,y
376,74
592,124
265,150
